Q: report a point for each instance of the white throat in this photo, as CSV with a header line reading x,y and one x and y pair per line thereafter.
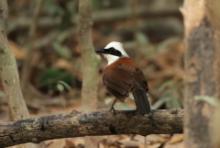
x,y
118,46
111,58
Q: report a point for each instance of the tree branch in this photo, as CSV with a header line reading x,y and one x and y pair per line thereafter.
x,y
100,16
78,124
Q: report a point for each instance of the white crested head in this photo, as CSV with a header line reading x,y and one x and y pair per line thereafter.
x,y
116,46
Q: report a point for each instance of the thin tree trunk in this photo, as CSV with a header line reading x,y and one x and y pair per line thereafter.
x,y
28,90
8,70
89,59
9,73
201,64
32,35
89,63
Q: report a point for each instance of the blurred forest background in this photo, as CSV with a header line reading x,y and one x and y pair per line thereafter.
x,y
43,35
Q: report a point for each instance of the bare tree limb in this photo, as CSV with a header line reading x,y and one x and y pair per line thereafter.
x,y
101,16
78,124
143,11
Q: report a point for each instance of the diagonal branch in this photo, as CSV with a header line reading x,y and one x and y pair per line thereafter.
x,y
78,124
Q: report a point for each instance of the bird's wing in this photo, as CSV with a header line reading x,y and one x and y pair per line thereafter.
x,y
140,79
118,80
134,74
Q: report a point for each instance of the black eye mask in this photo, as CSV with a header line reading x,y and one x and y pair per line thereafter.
x,y
113,51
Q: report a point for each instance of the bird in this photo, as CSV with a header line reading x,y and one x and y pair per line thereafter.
x,y
122,77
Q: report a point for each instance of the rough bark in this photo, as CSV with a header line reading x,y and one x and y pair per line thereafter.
x,y
9,73
89,59
89,63
77,124
214,17
213,12
200,64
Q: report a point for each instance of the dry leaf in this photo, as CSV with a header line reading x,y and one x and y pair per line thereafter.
x,y
176,139
60,143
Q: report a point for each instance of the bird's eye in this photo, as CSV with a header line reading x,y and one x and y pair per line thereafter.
x,y
111,49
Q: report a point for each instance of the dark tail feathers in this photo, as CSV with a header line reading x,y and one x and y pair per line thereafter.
x,y
141,101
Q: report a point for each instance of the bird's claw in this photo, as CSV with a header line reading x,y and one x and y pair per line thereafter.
x,y
112,109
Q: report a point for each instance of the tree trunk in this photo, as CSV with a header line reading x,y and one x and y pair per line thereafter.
x,y
9,73
214,17
89,63
28,90
89,60
202,66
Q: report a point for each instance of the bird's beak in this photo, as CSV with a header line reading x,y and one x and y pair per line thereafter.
x,y
100,51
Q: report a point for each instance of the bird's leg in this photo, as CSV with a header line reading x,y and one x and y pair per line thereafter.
x,y
150,115
112,106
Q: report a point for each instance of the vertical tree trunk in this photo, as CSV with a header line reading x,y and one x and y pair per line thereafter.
x,y
9,73
89,60
212,8
214,17
203,75
89,64
27,66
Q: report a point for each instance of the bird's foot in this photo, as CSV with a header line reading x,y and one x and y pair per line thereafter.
x,y
112,109
143,113
151,117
